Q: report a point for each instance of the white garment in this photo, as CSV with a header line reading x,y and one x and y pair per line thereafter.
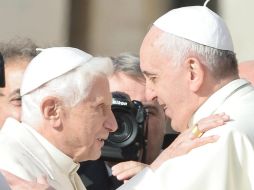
x,y
227,164
25,153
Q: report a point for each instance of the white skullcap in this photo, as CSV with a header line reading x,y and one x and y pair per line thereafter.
x,y
198,24
49,64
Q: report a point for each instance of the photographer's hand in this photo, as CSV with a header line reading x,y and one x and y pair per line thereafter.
x,y
187,141
126,170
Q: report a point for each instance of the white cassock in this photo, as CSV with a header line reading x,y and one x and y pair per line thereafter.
x,y
26,154
227,164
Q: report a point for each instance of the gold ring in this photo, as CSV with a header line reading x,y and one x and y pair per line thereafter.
x,y
196,132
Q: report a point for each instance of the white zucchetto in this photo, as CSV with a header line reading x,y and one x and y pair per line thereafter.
x,y
51,63
198,24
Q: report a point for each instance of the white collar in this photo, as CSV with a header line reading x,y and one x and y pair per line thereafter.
x,y
211,105
63,161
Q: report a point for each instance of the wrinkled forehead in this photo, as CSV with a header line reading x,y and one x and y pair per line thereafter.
x,y
99,90
151,56
151,38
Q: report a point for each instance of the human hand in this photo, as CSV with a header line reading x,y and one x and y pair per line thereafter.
x,y
187,141
17,183
126,170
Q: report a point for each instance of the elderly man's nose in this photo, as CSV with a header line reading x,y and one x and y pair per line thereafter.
x,y
150,94
111,123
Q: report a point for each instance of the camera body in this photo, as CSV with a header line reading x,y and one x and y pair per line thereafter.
x,y
2,77
128,142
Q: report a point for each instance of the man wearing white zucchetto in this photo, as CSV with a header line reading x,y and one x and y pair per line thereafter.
x,y
66,117
190,66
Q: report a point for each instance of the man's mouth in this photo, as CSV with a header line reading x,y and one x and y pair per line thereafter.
x,y
102,139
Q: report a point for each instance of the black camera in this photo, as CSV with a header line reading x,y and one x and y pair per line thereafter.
x,y
128,142
2,77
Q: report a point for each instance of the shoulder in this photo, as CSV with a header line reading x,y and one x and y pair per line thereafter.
x,y
16,157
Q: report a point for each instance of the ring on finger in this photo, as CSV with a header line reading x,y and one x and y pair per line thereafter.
x,y
196,131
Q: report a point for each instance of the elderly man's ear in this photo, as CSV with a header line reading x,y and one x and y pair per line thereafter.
x,y
51,110
195,73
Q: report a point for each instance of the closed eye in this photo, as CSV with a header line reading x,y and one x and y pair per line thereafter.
x,y
15,98
16,101
152,78
104,108
152,110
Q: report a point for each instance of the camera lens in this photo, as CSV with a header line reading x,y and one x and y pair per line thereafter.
x,y
127,129
129,139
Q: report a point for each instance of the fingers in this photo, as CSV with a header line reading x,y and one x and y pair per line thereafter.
x,y
123,166
127,174
203,141
118,168
126,170
212,121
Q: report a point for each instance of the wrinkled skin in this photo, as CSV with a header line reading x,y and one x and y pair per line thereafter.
x,y
85,126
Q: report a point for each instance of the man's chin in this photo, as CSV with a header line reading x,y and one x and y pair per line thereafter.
x,y
176,127
97,155
90,156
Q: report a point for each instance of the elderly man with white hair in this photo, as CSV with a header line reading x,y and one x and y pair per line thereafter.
x,y
190,67
66,116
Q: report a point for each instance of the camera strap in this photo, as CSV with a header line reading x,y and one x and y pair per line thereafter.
x,y
144,142
2,77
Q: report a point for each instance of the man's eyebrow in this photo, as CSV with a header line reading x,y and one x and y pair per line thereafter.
x,y
147,73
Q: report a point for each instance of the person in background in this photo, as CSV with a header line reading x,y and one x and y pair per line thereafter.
x,y
3,183
190,67
17,53
59,129
128,78
246,70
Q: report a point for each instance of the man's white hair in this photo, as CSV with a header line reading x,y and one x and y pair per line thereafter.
x,y
71,88
221,63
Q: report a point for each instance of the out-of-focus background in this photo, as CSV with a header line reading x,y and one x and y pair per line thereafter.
x,y
108,27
